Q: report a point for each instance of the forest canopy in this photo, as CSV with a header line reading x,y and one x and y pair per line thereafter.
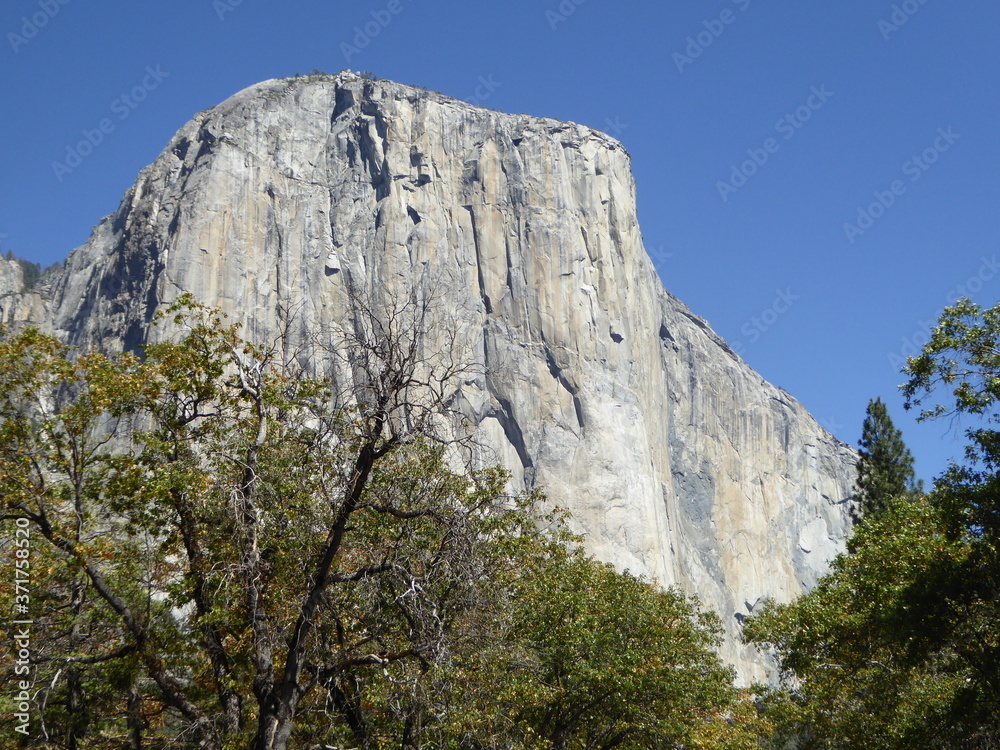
x,y
227,553
899,646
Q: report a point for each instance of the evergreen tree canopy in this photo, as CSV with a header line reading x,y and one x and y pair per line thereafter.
x,y
899,646
885,466
33,272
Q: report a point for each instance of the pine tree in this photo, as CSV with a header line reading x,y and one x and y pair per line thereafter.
x,y
885,466
897,647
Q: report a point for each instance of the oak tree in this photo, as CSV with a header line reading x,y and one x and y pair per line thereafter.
x,y
230,553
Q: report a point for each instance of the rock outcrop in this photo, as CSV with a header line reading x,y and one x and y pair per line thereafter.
x,y
674,458
18,304
11,278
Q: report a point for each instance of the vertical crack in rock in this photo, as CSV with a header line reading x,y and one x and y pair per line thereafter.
x,y
512,430
487,303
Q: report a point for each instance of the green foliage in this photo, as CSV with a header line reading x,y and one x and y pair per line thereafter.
x,y
885,464
963,357
862,658
613,662
231,555
899,647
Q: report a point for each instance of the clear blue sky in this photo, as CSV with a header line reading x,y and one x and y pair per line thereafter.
x,y
838,97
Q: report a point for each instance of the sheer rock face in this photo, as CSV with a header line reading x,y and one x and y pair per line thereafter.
x,y
11,278
675,459
16,304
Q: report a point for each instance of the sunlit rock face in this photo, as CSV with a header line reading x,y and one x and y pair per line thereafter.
x,y
11,278
586,378
18,305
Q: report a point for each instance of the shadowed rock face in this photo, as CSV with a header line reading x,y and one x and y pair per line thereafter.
x,y
675,459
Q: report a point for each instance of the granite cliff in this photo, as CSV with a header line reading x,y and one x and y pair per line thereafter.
x,y
674,458
11,278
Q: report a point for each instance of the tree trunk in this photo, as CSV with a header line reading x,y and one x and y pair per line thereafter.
x,y
135,722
